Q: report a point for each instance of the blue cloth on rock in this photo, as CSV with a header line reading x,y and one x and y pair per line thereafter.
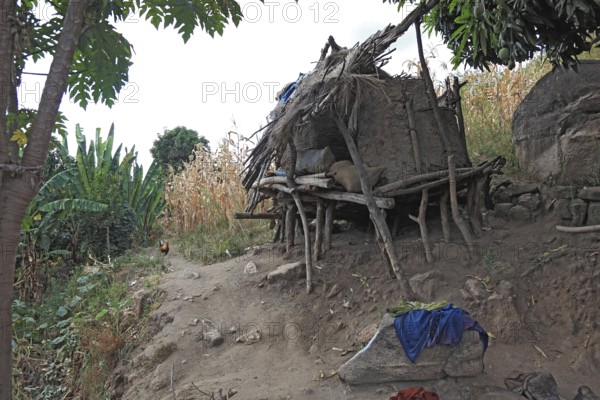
x,y
418,329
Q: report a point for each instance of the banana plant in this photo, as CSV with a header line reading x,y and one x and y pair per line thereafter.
x,y
101,195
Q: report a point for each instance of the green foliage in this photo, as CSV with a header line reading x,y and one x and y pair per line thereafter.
x,y
100,67
210,244
97,204
175,146
505,32
185,15
489,100
103,57
71,340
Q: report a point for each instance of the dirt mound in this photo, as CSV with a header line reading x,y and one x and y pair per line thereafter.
x,y
534,289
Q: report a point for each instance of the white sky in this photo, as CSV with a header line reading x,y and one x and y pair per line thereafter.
x,y
207,83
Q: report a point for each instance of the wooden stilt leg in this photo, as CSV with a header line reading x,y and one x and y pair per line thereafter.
x,y
423,226
396,227
474,204
444,216
290,227
462,226
328,225
306,241
319,233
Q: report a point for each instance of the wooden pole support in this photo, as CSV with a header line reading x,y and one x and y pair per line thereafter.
x,y
421,220
374,211
319,232
444,216
423,225
247,215
307,250
328,225
290,231
462,226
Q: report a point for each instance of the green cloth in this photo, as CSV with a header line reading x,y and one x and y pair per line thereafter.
x,y
407,306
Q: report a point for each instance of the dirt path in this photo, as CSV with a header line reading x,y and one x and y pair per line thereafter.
x,y
302,335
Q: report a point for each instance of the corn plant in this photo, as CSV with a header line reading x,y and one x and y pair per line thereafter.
x,y
202,198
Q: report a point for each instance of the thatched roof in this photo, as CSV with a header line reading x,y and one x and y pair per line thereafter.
x,y
333,86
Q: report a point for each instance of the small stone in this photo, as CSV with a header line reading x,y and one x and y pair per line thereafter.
x,y
213,338
593,214
184,361
519,214
590,193
189,274
334,291
501,196
562,208
517,189
564,192
286,272
585,393
531,201
578,212
474,290
193,322
427,284
543,386
251,337
502,209
251,268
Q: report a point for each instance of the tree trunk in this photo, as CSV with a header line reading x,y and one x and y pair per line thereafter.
x,y
18,188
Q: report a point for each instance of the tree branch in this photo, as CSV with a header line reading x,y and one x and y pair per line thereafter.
x,y
41,129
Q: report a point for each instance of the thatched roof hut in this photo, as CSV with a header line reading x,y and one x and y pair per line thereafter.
x,y
349,109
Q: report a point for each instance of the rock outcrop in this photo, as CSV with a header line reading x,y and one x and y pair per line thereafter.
x,y
556,129
383,359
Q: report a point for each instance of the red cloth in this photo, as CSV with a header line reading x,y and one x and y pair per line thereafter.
x,y
415,393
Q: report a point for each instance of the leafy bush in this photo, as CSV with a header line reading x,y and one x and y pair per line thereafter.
x,y
96,205
175,146
67,345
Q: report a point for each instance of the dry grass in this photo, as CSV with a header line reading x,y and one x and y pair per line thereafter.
x,y
202,199
489,101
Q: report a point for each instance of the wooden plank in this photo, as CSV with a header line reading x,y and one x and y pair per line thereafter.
x,y
381,202
309,180
247,215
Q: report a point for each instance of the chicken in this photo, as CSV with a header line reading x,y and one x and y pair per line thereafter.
x,y
164,247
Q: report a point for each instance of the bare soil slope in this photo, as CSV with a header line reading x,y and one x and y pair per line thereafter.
x,y
542,303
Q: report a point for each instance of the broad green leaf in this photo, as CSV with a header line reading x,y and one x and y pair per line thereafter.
x,y
62,311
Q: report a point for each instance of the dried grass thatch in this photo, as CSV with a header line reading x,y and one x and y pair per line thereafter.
x,y
332,85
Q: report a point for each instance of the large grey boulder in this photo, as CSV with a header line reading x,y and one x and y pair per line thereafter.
x,y
383,359
556,129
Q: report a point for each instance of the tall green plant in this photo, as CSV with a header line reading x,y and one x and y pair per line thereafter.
x,y
101,205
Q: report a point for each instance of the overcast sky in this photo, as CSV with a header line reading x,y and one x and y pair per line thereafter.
x,y
208,83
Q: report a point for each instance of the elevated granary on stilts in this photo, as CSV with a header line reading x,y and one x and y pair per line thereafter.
x,y
349,135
